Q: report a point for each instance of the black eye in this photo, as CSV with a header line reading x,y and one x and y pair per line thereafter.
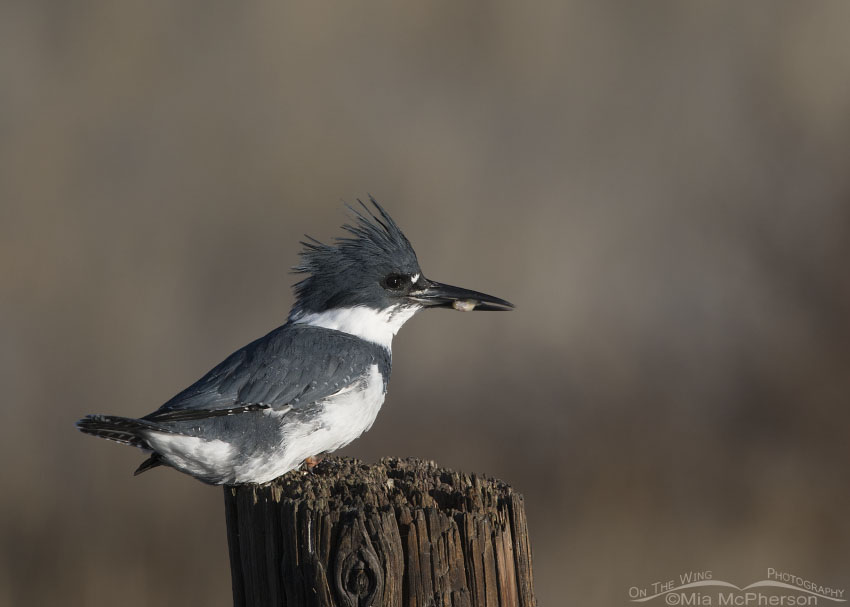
x,y
394,281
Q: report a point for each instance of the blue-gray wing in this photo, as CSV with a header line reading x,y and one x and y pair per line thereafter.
x,y
294,365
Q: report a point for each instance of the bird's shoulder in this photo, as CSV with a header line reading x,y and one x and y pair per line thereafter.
x,y
291,366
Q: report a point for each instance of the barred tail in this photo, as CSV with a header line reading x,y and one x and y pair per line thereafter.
x,y
124,430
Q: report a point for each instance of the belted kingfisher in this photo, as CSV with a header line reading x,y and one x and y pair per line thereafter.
x,y
310,386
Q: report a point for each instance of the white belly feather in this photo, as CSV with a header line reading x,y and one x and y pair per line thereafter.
x,y
344,416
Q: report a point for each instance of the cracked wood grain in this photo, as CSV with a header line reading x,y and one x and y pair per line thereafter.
x,y
400,533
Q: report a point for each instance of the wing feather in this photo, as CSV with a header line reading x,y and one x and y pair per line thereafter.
x,y
277,371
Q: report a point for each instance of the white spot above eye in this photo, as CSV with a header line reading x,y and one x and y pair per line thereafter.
x,y
414,278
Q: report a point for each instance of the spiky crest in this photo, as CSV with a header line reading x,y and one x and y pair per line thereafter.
x,y
348,272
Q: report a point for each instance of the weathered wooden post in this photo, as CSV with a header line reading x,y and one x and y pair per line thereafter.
x,y
398,533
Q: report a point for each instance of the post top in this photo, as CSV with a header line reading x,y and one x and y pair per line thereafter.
x,y
347,482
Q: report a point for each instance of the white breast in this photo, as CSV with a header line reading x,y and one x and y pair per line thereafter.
x,y
344,416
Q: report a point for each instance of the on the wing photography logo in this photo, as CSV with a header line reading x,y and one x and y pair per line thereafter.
x,y
777,589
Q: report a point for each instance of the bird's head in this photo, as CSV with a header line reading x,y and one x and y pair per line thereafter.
x,y
372,278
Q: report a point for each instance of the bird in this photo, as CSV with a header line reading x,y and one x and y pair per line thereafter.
x,y
310,386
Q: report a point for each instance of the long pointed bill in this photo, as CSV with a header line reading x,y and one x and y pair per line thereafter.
x,y
438,295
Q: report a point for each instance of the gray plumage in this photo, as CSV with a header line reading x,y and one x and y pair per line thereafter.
x,y
343,274
276,371
311,385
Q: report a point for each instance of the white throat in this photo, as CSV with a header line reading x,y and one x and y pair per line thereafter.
x,y
377,326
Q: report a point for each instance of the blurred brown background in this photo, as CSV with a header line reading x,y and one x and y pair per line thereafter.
x,y
662,188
